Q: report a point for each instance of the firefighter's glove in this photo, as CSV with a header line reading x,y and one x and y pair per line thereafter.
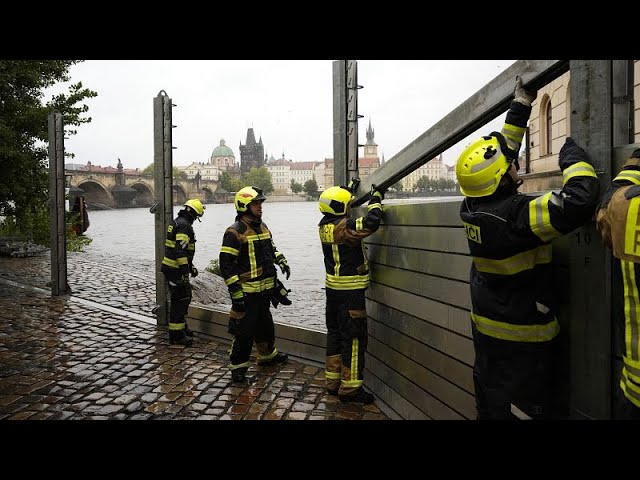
x,y
182,280
238,305
571,153
284,266
353,185
376,196
521,95
280,295
636,153
194,272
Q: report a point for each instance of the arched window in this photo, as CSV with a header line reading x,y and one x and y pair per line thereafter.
x,y
547,126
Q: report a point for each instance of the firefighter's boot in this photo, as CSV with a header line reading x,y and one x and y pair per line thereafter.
x,y
239,375
178,337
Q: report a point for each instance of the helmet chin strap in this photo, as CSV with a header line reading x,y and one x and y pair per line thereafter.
x,y
511,183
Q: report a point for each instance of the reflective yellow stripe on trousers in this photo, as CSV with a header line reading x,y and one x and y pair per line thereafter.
x,y
516,333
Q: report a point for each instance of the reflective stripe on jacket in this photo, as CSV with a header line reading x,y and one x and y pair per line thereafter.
x,y
345,260
247,257
179,247
619,224
508,233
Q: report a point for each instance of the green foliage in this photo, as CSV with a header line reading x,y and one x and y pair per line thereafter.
x,y
179,174
149,170
397,187
214,267
24,137
259,177
230,183
76,243
425,184
295,186
311,187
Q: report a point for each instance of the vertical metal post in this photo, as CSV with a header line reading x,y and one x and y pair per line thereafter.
x,y
622,103
352,120
589,289
163,190
340,122
59,285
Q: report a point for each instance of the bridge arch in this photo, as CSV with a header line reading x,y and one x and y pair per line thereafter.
x,y
208,195
179,194
96,196
144,197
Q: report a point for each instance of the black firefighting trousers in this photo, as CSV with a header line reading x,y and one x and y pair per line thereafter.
x,y
347,337
180,299
513,380
256,325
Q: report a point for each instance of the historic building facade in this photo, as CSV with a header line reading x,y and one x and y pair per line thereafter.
x,y
549,126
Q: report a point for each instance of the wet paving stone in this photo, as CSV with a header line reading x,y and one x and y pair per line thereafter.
x,y
61,359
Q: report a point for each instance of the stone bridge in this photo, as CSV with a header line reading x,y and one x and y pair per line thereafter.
x,y
122,190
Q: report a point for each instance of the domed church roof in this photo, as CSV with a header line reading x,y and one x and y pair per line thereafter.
x,y
222,150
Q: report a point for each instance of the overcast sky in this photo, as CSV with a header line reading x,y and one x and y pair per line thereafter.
x,y
289,103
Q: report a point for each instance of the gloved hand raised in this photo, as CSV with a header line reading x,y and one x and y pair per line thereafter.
x,y
284,267
571,153
194,272
523,96
376,196
353,185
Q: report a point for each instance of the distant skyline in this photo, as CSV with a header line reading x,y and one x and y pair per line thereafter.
x,y
289,103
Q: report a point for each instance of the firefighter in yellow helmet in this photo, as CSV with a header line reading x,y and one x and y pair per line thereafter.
x,y
346,279
619,225
177,266
509,234
247,262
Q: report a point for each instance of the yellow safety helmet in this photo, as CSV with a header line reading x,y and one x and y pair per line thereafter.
x,y
196,206
482,165
335,200
245,196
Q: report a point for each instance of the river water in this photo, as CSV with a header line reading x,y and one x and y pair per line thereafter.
x,y
126,236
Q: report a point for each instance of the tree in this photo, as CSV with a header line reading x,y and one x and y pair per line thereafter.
x,y
423,184
24,192
150,170
311,187
295,186
259,177
397,187
229,182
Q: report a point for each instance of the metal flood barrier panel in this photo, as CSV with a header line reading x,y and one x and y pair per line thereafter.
x,y
420,353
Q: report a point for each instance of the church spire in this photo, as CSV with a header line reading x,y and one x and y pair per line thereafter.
x,y
370,134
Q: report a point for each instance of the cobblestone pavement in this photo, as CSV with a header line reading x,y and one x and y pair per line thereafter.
x,y
63,358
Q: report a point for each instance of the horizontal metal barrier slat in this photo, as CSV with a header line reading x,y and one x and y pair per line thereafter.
x,y
441,264
417,396
439,239
439,211
402,408
435,288
446,316
437,361
446,392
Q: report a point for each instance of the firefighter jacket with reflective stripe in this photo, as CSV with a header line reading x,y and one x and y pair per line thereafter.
x,y
509,235
345,260
619,224
247,257
179,246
